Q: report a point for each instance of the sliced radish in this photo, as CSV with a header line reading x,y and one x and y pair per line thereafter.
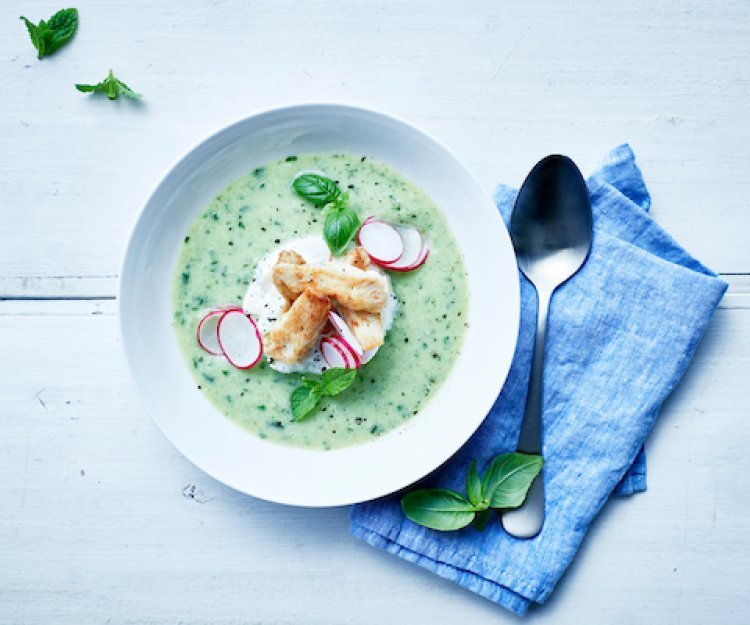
x,y
381,241
345,332
334,354
413,244
239,339
208,337
415,265
353,357
369,354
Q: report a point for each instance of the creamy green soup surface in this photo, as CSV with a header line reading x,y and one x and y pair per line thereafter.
x,y
255,215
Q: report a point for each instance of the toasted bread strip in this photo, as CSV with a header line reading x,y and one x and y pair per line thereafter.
x,y
293,258
367,327
298,329
349,286
358,258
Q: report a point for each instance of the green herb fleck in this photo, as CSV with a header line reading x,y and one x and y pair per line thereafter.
x,y
111,86
48,37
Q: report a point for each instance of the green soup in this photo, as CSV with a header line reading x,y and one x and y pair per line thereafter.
x,y
256,214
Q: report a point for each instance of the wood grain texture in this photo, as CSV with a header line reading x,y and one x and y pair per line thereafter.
x,y
500,83
102,521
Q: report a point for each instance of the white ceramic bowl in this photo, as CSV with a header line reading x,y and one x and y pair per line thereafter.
x,y
286,474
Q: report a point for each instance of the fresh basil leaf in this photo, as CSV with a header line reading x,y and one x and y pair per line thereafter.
x,y
334,381
111,86
482,518
303,400
474,485
48,37
507,480
339,203
339,228
438,509
316,189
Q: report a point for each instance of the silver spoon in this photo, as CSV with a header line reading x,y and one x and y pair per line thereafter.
x,y
551,228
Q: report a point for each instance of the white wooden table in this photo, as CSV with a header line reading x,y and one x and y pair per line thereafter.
x,y
102,521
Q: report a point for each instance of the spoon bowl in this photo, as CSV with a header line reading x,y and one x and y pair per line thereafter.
x,y
551,222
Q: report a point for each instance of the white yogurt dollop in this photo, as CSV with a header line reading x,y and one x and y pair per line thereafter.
x,y
264,302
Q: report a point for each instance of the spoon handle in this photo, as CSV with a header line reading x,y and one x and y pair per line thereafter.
x,y
526,521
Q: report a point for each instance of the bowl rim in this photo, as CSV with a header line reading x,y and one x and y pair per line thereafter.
x,y
140,217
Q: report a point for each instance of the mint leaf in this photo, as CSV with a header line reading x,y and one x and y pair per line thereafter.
x,y
48,37
507,481
36,37
63,25
111,86
474,485
304,399
316,189
438,508
339,228
334,381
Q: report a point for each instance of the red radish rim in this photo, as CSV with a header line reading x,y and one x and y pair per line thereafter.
x,y
339,349
206,317
331,340
413,245
379,258
354,360
417,264
346,333
257,334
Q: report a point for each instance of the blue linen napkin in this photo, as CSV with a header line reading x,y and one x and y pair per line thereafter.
x,y
621,334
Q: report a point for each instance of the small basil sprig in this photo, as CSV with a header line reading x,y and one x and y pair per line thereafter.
x,y
305,397
504,486
341,222
111,86
48,37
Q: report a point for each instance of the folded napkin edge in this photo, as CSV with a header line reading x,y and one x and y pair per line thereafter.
x,y
496,592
